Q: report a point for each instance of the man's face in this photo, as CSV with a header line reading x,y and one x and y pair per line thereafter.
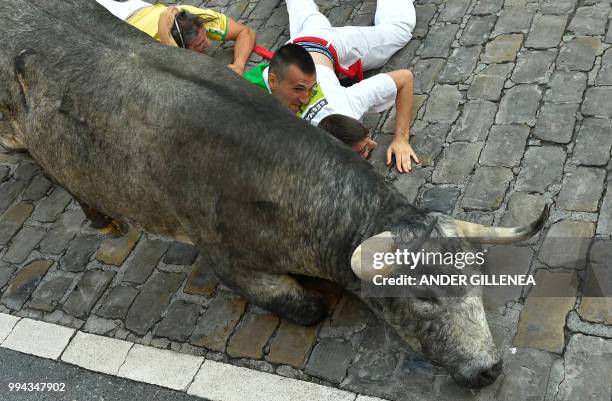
x,y
293,91
201,42
365,147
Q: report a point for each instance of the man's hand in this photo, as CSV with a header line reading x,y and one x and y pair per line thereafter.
x,y
403,153
236,69
164,26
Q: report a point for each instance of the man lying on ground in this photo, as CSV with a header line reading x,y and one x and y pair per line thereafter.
x,y
186,26
348,50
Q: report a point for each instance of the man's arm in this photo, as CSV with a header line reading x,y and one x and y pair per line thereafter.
x,y
245,42
403,116
164,26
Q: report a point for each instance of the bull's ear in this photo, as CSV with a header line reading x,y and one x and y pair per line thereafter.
x,y
367,261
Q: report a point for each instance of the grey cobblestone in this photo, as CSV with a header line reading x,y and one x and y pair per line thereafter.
x,y
51,206
604,227
443,103
541,168
596,102
6,272
454,11
146,256
566,86
582,190
79,252
593,142
180,253
87,292
12,219
590,20
8,192
117,302
23,243
460,65
330,359
474,124
489,83
56,240
477,30
24,283
514,20
425,74
604,77
505,146
426,14
428,142
37,188
439,199
49,293
533,66
519,105
439,40
503,48
558,7
556,122
215,326
179,321
457,162
546,31
578,54
487,189
485,7
522,209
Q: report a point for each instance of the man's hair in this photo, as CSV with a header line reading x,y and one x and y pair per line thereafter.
x,y
347,129
188,24
288,55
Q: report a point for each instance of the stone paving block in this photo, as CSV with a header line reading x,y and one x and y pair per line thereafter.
x,y
454,11
425,74
582,190
514,20
604,226
460,65
38,338
503,48
7,322
505,259
439,40
24,283
23,244
180,253
488,84
50,207
292,344
474,124
37,188
98,325
214,379
12,219
566,86
79,252
567,244
56,240
8,192
487,7
519,105
161,367
457,162
593,142
179,321
386,367
114,251
202,281
87,292
252,336
263,9
604,76
576,325
443,103
596,102
533,66
26,170
477,30
409,184
543,317
403,58
487,189
329,359
117,302
505,145
558,7
588,372
48,294
389,125
351,316
218,322
427,143
439,199
546,31
541,168
578,54
6,272
526,375
556,122
590,20
279,18
146,256
96,353
154,297
426,14
4,173
596,306
523,208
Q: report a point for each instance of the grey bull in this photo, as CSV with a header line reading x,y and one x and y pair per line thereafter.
x,y
177,144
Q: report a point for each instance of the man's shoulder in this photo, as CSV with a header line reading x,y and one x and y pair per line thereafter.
x,y
256,75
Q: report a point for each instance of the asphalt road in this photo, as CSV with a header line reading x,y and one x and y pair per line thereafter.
x,y
80,384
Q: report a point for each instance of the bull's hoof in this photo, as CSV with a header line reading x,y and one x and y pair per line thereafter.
x,y
114,229
310,310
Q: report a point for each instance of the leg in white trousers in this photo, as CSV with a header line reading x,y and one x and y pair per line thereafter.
x,y
374,45
124,9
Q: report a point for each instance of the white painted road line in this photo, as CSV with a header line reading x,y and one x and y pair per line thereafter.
x,y
97,353
222,382
162,367
38,338
7,322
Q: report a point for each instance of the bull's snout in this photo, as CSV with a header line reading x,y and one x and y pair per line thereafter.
x,y
481,378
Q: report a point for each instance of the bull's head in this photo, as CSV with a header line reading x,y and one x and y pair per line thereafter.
x,y
452,331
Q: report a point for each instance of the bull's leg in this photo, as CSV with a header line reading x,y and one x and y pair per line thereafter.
x,y
104,224
278,293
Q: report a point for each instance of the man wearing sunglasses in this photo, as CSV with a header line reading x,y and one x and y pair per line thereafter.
x,y
186,26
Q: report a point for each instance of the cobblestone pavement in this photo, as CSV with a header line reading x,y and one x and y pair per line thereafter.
x,y
512,111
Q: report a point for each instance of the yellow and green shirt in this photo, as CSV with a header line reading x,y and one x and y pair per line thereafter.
x,y
146,19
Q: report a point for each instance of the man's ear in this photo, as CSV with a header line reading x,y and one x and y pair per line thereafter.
x,y
272,81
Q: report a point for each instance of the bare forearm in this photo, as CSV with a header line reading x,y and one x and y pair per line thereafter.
x,y
403,103
243,47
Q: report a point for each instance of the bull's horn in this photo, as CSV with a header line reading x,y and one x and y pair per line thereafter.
x,y
499,235
362,260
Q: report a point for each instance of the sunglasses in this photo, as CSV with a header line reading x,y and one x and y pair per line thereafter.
x,y
179,33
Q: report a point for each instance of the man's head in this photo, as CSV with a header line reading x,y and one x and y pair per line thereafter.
x,y
291,76
189,32
350,131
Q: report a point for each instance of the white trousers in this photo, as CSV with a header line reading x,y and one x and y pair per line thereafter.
x,y
124,9
374,45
